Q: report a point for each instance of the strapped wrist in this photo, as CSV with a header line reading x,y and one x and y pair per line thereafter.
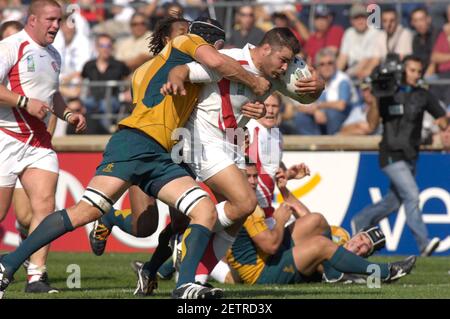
x,y
22,102
66,115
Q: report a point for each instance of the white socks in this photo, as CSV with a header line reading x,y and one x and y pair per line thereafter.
x,y
35,272
222,221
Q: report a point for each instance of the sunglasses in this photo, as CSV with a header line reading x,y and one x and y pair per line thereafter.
x,y
105,46
247,14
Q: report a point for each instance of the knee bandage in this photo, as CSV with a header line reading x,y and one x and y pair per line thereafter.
x,y
189,199
97,199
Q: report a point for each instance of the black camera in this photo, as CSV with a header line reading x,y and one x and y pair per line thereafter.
x,y
386,78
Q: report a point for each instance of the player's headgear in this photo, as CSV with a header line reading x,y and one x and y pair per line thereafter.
x,y
209,29
376,237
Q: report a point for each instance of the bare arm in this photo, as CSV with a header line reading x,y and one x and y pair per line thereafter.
x,y
443,122
51,126
373,114
270,240
300,209
298,25
342,61
336,105
8,98
230,69
439,57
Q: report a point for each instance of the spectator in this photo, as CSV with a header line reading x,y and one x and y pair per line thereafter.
x,y
246,32
92,10
104,68
11,11
290,20
75,50
332,108
424,38
441,57
357,50
122,11
356,122
9,28
394,38
94,126
325,34
133,50
174,9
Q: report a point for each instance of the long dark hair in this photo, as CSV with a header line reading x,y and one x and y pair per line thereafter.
x,y
162,30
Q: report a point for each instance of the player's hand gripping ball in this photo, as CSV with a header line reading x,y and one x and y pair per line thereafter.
x,y
298,69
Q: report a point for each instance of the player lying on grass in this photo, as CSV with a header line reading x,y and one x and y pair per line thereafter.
x,y
280,256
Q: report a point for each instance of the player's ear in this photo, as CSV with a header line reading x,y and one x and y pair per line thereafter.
x,y
266,49
32,20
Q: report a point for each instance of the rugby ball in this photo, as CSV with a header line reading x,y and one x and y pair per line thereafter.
x,y
297,69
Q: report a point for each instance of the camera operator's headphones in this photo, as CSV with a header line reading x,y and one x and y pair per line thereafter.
x,y
376,237
209,29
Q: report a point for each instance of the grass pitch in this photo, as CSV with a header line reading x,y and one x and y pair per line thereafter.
x,y
110,276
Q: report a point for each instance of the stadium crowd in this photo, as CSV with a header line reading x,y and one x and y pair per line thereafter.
x,y
103,40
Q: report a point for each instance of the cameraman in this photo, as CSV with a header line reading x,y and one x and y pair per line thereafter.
x,y
402,112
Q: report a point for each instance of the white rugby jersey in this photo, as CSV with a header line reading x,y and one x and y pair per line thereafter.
x,y
265,150
220,100
28,69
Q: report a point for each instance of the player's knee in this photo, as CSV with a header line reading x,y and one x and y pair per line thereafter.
x,y
321,243
320,222
247,205
204,213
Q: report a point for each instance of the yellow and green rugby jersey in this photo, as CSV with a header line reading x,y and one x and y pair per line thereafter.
x,y
157,115
244,256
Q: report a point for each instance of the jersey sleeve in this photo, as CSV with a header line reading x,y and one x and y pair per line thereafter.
x,y
198,73
256,223
434,107
8,58
188,44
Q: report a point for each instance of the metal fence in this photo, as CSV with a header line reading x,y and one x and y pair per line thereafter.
x,y
111,118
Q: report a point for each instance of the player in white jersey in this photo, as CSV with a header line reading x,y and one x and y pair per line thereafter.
x,y
211,153
29,71
266,150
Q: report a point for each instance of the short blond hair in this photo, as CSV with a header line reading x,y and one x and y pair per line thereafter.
x,y
35,5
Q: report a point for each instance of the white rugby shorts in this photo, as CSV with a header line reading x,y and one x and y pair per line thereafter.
x,y
15,157
209,156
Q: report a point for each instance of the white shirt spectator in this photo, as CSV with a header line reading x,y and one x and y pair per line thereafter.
x,y
400,42
277,5
73,55
358,46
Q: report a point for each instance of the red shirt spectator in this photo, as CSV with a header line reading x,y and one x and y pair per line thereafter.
x,y
92,10
442,45
325,35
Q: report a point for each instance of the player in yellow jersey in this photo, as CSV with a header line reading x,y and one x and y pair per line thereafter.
x,y
286,256
138,155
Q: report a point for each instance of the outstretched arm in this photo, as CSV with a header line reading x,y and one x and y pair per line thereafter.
x,y
299,208
231,69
